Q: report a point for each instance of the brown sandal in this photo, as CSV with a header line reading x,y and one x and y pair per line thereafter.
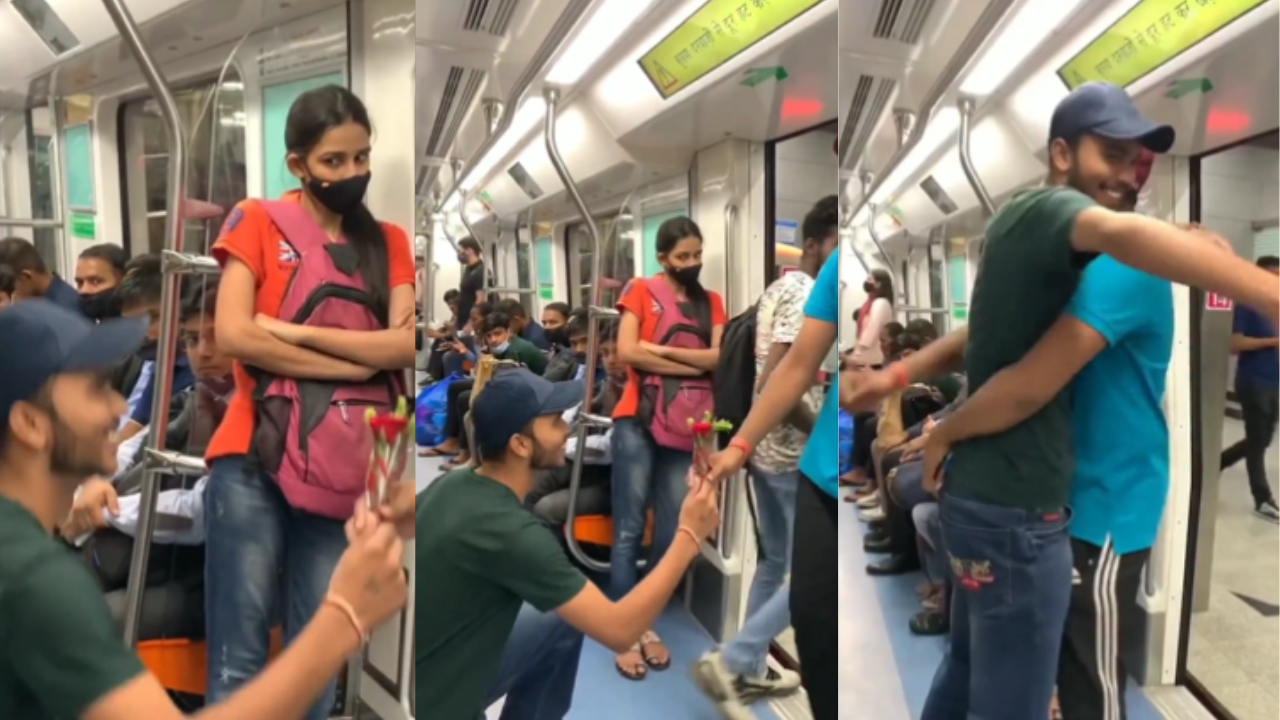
x,y
639,671
651,638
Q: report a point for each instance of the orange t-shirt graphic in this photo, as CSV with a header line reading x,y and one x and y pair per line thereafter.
x,y
249,236
637,300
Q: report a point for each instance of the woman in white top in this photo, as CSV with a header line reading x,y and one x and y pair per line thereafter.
x,y
875,313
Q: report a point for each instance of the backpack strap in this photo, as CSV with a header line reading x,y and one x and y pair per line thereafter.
x,y
296,225
661,292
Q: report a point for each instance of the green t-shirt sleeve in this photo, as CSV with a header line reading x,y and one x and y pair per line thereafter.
x,y
533,358
59,638
1055,212
533,566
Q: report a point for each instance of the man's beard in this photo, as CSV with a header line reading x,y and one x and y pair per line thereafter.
x,y
69,458
544,459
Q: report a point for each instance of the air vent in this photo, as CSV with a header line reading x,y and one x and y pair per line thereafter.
x,y
45,22
902,20
940,198
870,98
526,182
460,90
492,17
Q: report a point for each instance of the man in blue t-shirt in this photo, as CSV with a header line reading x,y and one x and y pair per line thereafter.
x,y
814,590
1253,339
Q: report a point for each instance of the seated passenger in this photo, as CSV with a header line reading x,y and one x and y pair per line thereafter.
x,y
522,325
62,659
461,356
549,497
99,270
505,343
505,612
104,517
935,600
33,279
139,295
441,340
8,280
554,317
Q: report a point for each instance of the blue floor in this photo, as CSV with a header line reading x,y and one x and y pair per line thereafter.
x,y
873,626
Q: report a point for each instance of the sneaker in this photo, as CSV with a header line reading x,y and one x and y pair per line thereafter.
x,y
1268,510
870,501
716,682
872,515
776,682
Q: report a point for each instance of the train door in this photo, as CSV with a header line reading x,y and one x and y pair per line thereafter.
x,y
1228,649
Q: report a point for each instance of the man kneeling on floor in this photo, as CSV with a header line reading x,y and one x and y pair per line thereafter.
x,y
504,612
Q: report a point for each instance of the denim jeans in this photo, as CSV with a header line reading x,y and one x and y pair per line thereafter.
x,y
539,668
1011,570
925,518
644,474
768,602
263,560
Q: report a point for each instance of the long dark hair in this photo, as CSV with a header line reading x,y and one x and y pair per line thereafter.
x,y
884,284
670,233
313,114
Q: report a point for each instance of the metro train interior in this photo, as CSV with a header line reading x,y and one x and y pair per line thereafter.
x,y
945,107
97,150
745,147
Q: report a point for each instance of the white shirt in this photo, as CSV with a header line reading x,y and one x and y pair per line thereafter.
x,y
867,351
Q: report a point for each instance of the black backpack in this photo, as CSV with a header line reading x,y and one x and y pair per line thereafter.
x,y
735,376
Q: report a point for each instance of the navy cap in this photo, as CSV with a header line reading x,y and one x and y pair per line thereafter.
x,y
512,400
1105,110
42,340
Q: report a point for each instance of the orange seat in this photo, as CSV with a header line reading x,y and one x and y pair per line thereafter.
x,y
181,665
598,530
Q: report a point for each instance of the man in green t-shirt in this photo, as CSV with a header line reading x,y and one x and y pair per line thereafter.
x,y
60,655
505,344
1003,501
501,611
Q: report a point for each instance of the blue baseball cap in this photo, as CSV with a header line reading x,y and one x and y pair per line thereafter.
x,y
513,399
1105,110
43,340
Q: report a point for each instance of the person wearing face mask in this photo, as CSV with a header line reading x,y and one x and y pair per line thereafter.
x,y
99,270
554,317
262,540
875,314
522,325
669,337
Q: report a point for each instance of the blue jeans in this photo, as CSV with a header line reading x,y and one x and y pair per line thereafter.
x,y
1011,570
539,668
925,517
263,559
643,474
768,602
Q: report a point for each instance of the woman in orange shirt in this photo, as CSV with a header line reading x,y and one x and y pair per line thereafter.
x,y
650,461
267,561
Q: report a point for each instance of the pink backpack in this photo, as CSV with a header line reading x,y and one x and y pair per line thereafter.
x,y
311,435
667,403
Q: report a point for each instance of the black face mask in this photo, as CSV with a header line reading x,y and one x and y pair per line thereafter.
x,y
686,276
148,351
462,258
340,196
581,358
558,337
100,306
869,286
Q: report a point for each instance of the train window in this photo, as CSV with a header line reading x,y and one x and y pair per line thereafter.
x,y
617,265
524,270
214,115
45,22
937,290
42,202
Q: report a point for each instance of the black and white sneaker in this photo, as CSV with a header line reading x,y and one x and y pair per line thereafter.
x,y
1268,510
731,693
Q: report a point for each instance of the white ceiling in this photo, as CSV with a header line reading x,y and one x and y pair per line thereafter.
x,y
170,29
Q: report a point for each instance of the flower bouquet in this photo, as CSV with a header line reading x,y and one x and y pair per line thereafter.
x,y
705,434
390,451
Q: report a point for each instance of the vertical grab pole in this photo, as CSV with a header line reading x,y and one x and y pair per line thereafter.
x,y
966,160
594,313
166,350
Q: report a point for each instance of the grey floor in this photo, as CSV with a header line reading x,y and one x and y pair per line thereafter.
x,y
1235,647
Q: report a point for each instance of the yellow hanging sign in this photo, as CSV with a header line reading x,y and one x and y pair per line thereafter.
x,y
1151,34
713,35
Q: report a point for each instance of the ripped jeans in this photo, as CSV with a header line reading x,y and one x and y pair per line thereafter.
x,y
644,475
263,561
